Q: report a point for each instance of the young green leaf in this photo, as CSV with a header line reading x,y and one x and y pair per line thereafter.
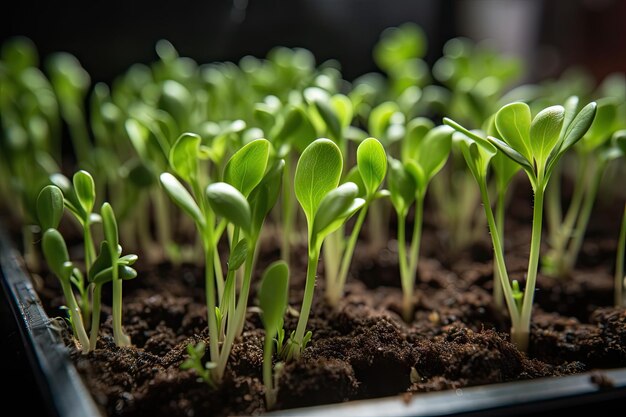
x,y
179,194
603,125
372,164
318,171
109,224
85,190
416,130
273,296
227,202
545,131
433,151
334,206
402,186
238,255
265,195
579,126
55,252
50,207
513,122
246,167
183,156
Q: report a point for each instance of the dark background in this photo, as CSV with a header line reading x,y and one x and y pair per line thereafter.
x,y
107,37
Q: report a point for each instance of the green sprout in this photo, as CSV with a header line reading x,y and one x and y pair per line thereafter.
x,y
194,361
108,266
372,168
273,297
327,207
426,153
536,145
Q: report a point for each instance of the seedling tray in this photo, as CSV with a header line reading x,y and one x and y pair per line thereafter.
x,y
67,396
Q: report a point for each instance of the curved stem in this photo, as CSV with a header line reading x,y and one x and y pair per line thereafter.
x,y
499,255
497,283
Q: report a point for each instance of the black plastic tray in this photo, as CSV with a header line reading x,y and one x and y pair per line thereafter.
x,y
67,396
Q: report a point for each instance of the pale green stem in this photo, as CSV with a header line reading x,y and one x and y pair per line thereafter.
x,y
79,135
121,339
581,225
90,251
499,254
334,289
75,316
270,396
287,211
554,211
522,334
566,229
209,291
403,263
307,301
619,263
332,251
497,284
95,318
235,327
378,226
411,271
163,223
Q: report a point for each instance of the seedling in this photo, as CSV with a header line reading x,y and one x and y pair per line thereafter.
x,y
372,168
273,297
536,146
424,156
327,207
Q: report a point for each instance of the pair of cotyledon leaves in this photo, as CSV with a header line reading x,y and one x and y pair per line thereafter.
x,y
534,144
246,195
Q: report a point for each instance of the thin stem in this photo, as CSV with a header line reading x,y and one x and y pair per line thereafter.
x,y
497,284
307,301
332,255
533,263
334,289
90,250
95,318
79,134
619,263
583,220
75,316
408,284
270,397
403,264
163,223
554,211
499,254
287,211
121,339
209,290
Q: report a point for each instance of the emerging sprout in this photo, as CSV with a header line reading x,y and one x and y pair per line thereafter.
x,y
273,297
408,182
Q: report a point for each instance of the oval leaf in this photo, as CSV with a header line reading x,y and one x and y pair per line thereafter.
x,y
372,163
183,156
50,207
179,194
402,186
227,202
246,167
416,130
273,296
433,151
55,252
545,131
318,171
109,224
238,255
335,204
513,123
85,190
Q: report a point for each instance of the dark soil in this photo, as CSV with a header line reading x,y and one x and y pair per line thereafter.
x,y
363,349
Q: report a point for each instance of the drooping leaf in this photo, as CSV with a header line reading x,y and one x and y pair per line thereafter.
x,y
318,171
273,296
179,194
227,202
245,169
372,164
513,122
50,207
183,156
85,190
